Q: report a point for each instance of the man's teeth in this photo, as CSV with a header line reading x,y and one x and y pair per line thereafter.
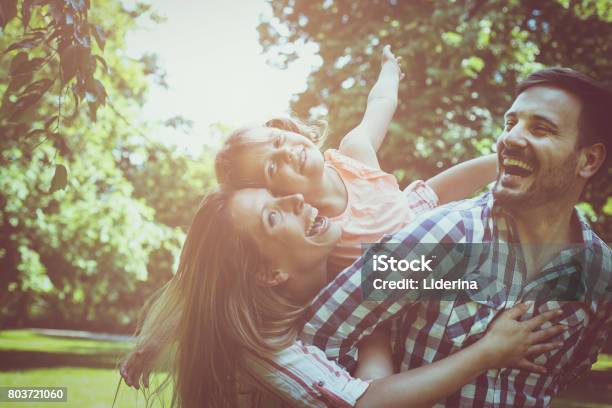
x,y
313,217
518,163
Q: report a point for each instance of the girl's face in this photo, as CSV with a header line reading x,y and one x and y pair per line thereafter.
x,y
288,231
282,161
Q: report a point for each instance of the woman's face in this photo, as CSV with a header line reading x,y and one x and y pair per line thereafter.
x,y
283,162
288,231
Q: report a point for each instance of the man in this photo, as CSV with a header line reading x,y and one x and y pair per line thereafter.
x,y
533,245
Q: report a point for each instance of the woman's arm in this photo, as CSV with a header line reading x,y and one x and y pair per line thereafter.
x,y
375,355
363,141
507,343
463,179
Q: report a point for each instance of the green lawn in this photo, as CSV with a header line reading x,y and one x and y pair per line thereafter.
x,y
85,367
88,369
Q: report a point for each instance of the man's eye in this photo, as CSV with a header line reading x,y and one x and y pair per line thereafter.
x,y
278,140
509,124
272,218
541,129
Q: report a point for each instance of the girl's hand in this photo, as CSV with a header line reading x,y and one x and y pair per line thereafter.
x,y
509,342
139,363
389,58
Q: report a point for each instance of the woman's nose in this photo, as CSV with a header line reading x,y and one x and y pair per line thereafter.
x,y
294,203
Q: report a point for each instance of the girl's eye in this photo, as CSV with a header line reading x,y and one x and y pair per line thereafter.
x,y
271,169
509,124
272,218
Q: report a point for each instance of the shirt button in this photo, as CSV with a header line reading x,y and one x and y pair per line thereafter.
x,y
321,383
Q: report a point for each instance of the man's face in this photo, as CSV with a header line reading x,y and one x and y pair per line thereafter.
x,y
538,157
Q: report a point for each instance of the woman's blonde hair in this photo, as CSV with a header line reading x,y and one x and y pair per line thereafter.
x,y
223,312
227,161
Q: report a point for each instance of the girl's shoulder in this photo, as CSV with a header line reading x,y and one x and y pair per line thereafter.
x,y
346,164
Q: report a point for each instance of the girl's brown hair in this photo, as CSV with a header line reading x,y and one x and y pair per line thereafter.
x,y
227,159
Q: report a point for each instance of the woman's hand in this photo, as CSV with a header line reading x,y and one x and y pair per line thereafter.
x,y
389,58
509,342
139,363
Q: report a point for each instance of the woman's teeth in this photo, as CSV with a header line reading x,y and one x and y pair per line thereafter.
x,y
317,224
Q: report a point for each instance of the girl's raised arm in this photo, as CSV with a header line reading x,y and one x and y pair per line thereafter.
x,y
363,141
464,179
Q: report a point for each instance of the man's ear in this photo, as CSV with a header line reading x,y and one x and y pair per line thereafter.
x,y
271,277
593,158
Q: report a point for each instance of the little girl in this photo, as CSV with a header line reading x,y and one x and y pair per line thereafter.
x,y
346,185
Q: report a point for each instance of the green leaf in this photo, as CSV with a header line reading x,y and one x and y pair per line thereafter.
x,y
27,43
68,62
8,11
60,179
18,60
50,121
41,86
24,103
607,209
17,81
453,39
99,35
25,12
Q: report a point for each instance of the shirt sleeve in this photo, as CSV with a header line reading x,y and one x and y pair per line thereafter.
x,y
303,377
596,338
421,197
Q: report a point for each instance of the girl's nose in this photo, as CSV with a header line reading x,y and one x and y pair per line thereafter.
x,y
287,154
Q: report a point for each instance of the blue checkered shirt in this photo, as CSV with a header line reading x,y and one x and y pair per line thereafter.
x,y
428,330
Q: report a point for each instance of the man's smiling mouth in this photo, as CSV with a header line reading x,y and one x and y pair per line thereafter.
x,y
517,167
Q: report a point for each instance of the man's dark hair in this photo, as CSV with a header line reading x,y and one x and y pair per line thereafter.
x,y
595,120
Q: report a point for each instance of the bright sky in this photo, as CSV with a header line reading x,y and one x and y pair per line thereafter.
x,y
215,69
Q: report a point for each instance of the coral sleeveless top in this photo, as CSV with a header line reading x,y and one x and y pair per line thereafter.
x,y
376,206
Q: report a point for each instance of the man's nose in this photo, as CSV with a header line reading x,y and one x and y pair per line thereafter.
x,y
293,203
516,137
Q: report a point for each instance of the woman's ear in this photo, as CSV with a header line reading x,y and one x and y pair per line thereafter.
x,y
271,277
594,157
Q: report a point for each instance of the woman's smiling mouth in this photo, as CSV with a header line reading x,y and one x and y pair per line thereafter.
x,y
317,224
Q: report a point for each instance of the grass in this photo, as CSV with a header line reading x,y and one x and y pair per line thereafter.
x,y
88,369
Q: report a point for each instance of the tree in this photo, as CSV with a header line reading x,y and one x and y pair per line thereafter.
x,y
86,255
461,59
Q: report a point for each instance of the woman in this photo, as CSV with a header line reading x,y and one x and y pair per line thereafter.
x,y
240,289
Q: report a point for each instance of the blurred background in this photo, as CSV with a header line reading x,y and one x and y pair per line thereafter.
x,y
111,112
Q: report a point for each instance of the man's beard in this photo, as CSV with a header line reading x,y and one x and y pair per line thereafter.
x,y
548,186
